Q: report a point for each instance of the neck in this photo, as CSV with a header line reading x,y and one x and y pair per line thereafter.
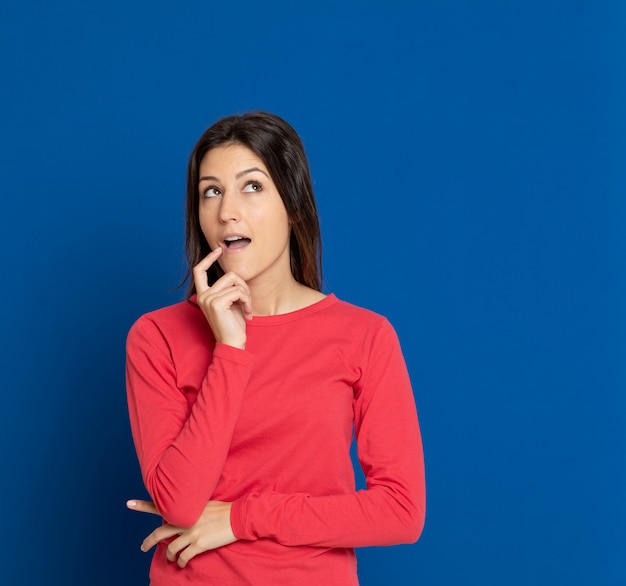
x,y
284,296
274,298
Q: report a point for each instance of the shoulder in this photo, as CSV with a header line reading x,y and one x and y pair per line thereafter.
x,y
369,341
170,322
357,311
357,314
364,326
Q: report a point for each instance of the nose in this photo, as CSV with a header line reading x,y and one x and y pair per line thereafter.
x,y
229,210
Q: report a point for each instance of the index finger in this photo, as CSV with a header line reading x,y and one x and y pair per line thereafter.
x,y
159,534
199,271
142,506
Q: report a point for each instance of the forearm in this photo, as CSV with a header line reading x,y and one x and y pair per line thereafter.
x,y
183,477
392,509
181,450
377,516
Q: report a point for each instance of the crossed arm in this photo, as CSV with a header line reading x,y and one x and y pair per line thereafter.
x,y
391,510
211,530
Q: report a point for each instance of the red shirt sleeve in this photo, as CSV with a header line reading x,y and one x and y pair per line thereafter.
x,y
392,508
181,449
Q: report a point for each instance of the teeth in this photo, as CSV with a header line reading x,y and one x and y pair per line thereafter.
x,y
233,238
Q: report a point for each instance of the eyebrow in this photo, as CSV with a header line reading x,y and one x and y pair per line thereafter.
x,y
237,176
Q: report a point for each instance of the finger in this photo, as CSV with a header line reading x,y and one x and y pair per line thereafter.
x,y
245,300
159,534
228,280
225,299
142,506
188,554
174,548
199,271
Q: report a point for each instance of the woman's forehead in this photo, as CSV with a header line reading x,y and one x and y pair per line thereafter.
x,y
230,157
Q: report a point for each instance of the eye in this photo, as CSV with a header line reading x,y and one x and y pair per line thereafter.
x,y
212,192
252,187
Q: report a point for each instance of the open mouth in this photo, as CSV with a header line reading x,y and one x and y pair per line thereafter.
x,y
234,242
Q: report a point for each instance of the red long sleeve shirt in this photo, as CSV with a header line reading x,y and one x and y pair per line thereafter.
x,y
269,429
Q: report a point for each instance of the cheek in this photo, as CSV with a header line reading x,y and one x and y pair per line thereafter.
x,y
280,225
277,233
207,227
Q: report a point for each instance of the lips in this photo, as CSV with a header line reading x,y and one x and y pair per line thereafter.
x,y
236,241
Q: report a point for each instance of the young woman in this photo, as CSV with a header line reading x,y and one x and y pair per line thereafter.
x,y
244,398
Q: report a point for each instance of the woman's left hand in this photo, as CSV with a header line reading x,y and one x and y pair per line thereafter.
x,y
210,531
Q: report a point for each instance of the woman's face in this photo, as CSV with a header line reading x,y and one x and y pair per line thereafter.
x,y
242,212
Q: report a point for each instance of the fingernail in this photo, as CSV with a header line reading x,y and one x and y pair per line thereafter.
x,y
131,503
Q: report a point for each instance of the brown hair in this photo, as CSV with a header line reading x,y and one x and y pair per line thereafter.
x,y
280,148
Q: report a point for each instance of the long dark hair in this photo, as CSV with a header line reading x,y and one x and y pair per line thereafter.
x,y
280,148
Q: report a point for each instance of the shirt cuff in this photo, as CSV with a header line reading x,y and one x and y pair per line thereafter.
x,y
232,354
237,522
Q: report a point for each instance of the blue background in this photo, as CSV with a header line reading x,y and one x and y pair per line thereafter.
x,y
469,162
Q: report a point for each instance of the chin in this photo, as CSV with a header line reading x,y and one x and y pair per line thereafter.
x,y
235,268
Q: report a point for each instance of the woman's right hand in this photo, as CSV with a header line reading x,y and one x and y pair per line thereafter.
x,y
227,304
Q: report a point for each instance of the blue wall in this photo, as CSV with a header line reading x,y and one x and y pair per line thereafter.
x,y
469,161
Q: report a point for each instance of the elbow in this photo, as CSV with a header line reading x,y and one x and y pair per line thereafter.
x,y
175,510
178,516
410,525
405,516
413,527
